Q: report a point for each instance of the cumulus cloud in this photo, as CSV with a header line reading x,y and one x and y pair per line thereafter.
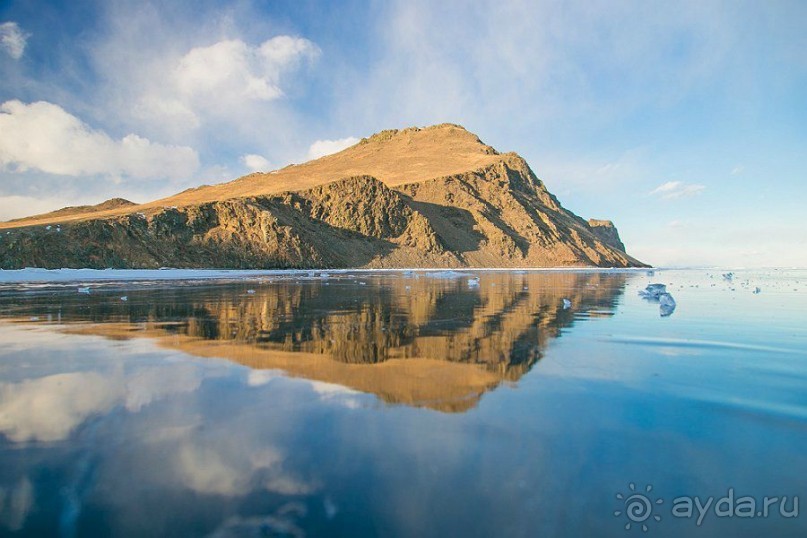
x,y
255,163
225,76
321,148
677,189
258,378
43,136
50,408
13,39
223,467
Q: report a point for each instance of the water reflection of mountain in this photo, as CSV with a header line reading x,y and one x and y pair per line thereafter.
x,y
416,339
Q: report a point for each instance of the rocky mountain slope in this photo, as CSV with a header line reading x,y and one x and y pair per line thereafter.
x,y
432,197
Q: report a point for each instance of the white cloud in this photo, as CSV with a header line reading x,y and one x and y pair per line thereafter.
x,y
256,163
224,78
258,378
154,383
50,408
321,148
12,39
43,136
677,189
223,467
15,206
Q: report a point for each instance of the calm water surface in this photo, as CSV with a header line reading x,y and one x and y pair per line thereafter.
x,y
406,404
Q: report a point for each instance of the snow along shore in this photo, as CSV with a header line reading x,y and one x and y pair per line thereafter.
x,y
88,275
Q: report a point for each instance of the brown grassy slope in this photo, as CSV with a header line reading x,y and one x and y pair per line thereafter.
x,y
395,157
112,204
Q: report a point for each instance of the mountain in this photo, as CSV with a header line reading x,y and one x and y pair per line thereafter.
x,y
430,197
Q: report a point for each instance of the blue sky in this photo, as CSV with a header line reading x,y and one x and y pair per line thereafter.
x,y
684,122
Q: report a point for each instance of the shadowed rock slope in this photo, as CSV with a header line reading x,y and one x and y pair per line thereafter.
x,y
433,197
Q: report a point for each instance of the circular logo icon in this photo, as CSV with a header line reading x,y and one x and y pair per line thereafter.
x,y
638,507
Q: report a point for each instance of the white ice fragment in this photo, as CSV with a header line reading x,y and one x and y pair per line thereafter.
x,y
34,318
653,291
48,227
84,290
251,292
567,304
124,298
666,304
473,282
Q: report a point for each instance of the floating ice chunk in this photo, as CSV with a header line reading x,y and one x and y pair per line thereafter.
x,y
473,282
653,291
666,304
251,292
48,227
567,304
124,298
84,290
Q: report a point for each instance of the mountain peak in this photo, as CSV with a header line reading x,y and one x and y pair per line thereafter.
x,y
449,134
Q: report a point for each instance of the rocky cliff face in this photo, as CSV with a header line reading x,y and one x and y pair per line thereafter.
x,y
607,232
498,214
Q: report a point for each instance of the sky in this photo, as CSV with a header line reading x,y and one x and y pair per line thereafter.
x,y
683,122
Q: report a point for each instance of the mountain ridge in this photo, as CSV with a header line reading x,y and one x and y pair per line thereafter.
x,y
416,197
